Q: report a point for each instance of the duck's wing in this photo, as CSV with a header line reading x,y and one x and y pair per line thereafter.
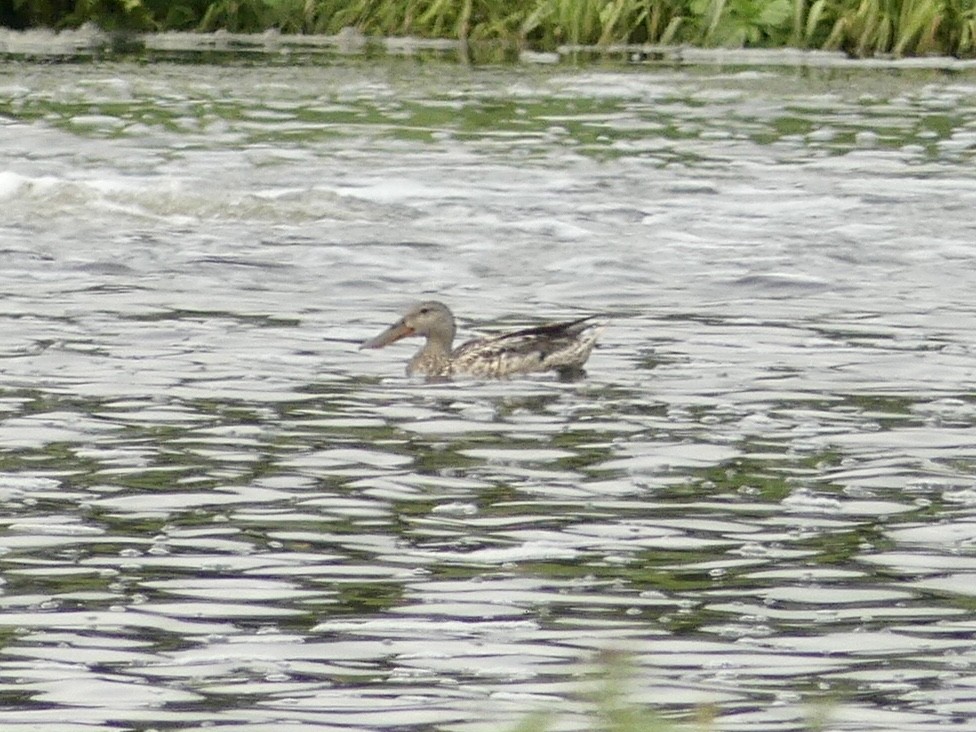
x,y
554,331
553,346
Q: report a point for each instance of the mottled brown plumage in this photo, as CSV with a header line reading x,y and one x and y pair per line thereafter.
x,y
562,347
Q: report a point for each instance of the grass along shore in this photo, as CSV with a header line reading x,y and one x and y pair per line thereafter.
x,y
860,28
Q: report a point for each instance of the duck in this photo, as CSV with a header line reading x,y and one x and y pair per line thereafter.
x,y
562,347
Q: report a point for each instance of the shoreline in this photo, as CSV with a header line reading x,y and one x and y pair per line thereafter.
x,y
89,41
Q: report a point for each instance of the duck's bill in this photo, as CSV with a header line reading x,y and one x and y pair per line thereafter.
x,y
388,336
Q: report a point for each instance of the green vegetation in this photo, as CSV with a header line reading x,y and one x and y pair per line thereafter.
x,y
608,709
607,705
859,27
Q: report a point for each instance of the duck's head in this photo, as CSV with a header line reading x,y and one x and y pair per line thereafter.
x,y
430,319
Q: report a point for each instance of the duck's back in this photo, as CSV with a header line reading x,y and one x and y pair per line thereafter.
x,y
557,346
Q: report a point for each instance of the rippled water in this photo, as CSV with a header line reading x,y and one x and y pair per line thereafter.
x,y
217,511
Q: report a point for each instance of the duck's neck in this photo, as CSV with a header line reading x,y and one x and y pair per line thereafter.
x,y
433,359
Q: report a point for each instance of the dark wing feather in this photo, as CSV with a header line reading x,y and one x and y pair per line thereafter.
x,y
564,329
521,350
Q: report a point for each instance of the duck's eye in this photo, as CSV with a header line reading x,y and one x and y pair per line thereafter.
x,y
424,311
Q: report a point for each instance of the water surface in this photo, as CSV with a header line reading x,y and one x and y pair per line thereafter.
x,y
217,511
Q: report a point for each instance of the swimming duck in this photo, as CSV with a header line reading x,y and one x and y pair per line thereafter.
x,y
562,347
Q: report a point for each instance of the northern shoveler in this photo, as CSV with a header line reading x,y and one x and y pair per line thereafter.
x,y
562,347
